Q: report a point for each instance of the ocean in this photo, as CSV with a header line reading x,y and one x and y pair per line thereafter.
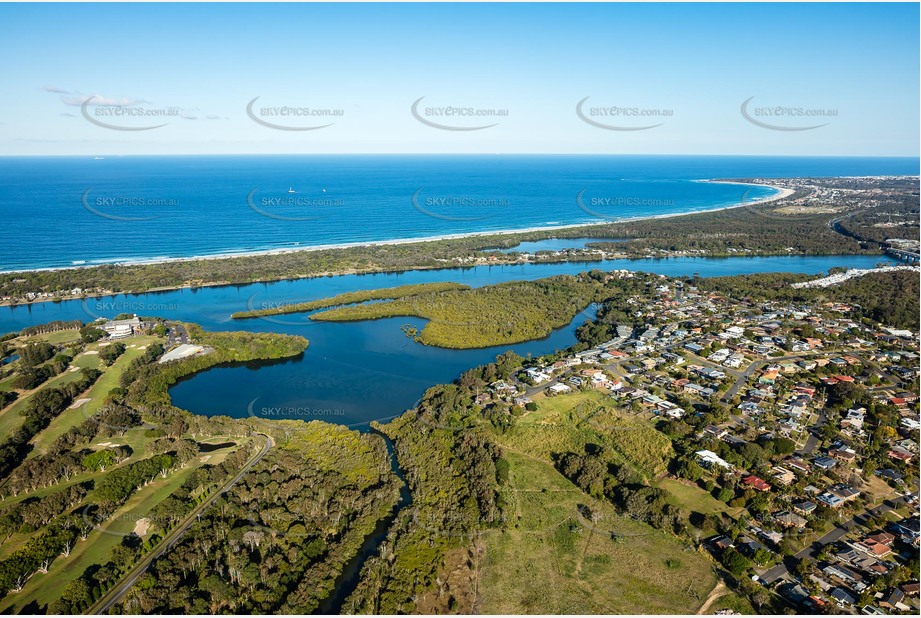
x,y
68,211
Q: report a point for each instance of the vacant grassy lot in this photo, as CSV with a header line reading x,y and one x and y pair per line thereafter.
x,y
552,560
695,499
734,602
567,423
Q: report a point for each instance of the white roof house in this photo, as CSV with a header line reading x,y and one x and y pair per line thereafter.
x,y
711,458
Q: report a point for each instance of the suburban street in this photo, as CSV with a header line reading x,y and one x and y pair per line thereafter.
x,y
783,569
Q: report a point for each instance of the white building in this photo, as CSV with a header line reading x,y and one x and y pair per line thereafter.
x,y
709,458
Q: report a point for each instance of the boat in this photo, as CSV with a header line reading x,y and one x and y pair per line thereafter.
x,y
291,190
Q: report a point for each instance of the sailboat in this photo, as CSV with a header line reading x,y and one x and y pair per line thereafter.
x,y
291,190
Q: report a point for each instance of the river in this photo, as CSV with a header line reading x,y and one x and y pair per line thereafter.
x,y
357,372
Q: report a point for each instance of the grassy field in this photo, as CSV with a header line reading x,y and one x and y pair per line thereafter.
x,y
97,394
10,418
6,383
694,498
567,423
551,558
135,438
61,336
46,588
554,561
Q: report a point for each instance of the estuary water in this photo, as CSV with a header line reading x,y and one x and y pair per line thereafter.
x,y
357,372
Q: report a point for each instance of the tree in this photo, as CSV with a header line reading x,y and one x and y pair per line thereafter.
x,y
735,562
99,460
89,334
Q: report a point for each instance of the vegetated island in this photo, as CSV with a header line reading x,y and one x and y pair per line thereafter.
x,y
491,315
349,298
519,311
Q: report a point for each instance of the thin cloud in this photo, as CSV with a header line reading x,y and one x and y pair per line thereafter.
x,y
97,100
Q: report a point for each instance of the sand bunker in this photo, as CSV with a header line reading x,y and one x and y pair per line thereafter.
x,y
141,526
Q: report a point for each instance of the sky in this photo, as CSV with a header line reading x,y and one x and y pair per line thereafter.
x,y
748,79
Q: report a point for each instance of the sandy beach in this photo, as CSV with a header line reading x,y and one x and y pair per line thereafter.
x,y
781,194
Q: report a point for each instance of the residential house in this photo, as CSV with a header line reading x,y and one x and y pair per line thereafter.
x,y
756,483
830,500
825,463
710,459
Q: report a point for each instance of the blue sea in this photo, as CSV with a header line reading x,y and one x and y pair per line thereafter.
x,y
67,211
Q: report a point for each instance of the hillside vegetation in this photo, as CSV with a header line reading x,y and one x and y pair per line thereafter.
x,y
507,517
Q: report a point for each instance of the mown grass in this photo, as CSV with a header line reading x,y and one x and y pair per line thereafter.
x,y
11,419
6,384
97,395
136,438
551,560
47,588
60,336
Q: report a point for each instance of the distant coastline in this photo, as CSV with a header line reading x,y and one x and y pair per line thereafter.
x,y
780,194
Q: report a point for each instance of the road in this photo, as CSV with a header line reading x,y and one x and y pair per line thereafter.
x,y
783,569
742,378
115,594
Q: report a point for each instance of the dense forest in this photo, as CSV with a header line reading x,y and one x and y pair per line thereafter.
x,y
453,468
491,315
278,541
